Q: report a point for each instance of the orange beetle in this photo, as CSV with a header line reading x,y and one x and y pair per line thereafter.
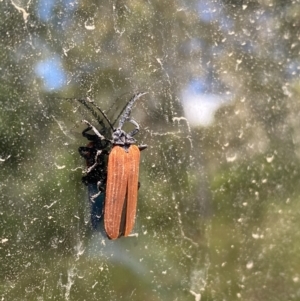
x,y
122,175
122,178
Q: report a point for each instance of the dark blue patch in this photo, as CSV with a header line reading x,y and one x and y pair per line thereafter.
x,y
96,205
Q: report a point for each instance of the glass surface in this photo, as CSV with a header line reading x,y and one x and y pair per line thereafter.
x,y
218,206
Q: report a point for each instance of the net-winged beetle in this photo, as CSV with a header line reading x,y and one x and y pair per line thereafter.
x,y
112,172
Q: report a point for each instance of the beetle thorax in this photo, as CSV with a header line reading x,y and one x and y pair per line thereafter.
x,y
121,138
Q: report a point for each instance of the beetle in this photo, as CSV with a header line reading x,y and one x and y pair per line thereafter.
x,y
112,173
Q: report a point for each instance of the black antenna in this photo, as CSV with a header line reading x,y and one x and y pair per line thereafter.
x,y
104,115
120,114
94,113
128,108
112,124
116,101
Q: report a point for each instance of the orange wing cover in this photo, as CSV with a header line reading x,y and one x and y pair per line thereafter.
x,y
121,191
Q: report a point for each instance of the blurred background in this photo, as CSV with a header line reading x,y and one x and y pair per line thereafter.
x,y
218,212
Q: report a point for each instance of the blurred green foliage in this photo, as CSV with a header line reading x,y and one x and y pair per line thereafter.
x,y
218,206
